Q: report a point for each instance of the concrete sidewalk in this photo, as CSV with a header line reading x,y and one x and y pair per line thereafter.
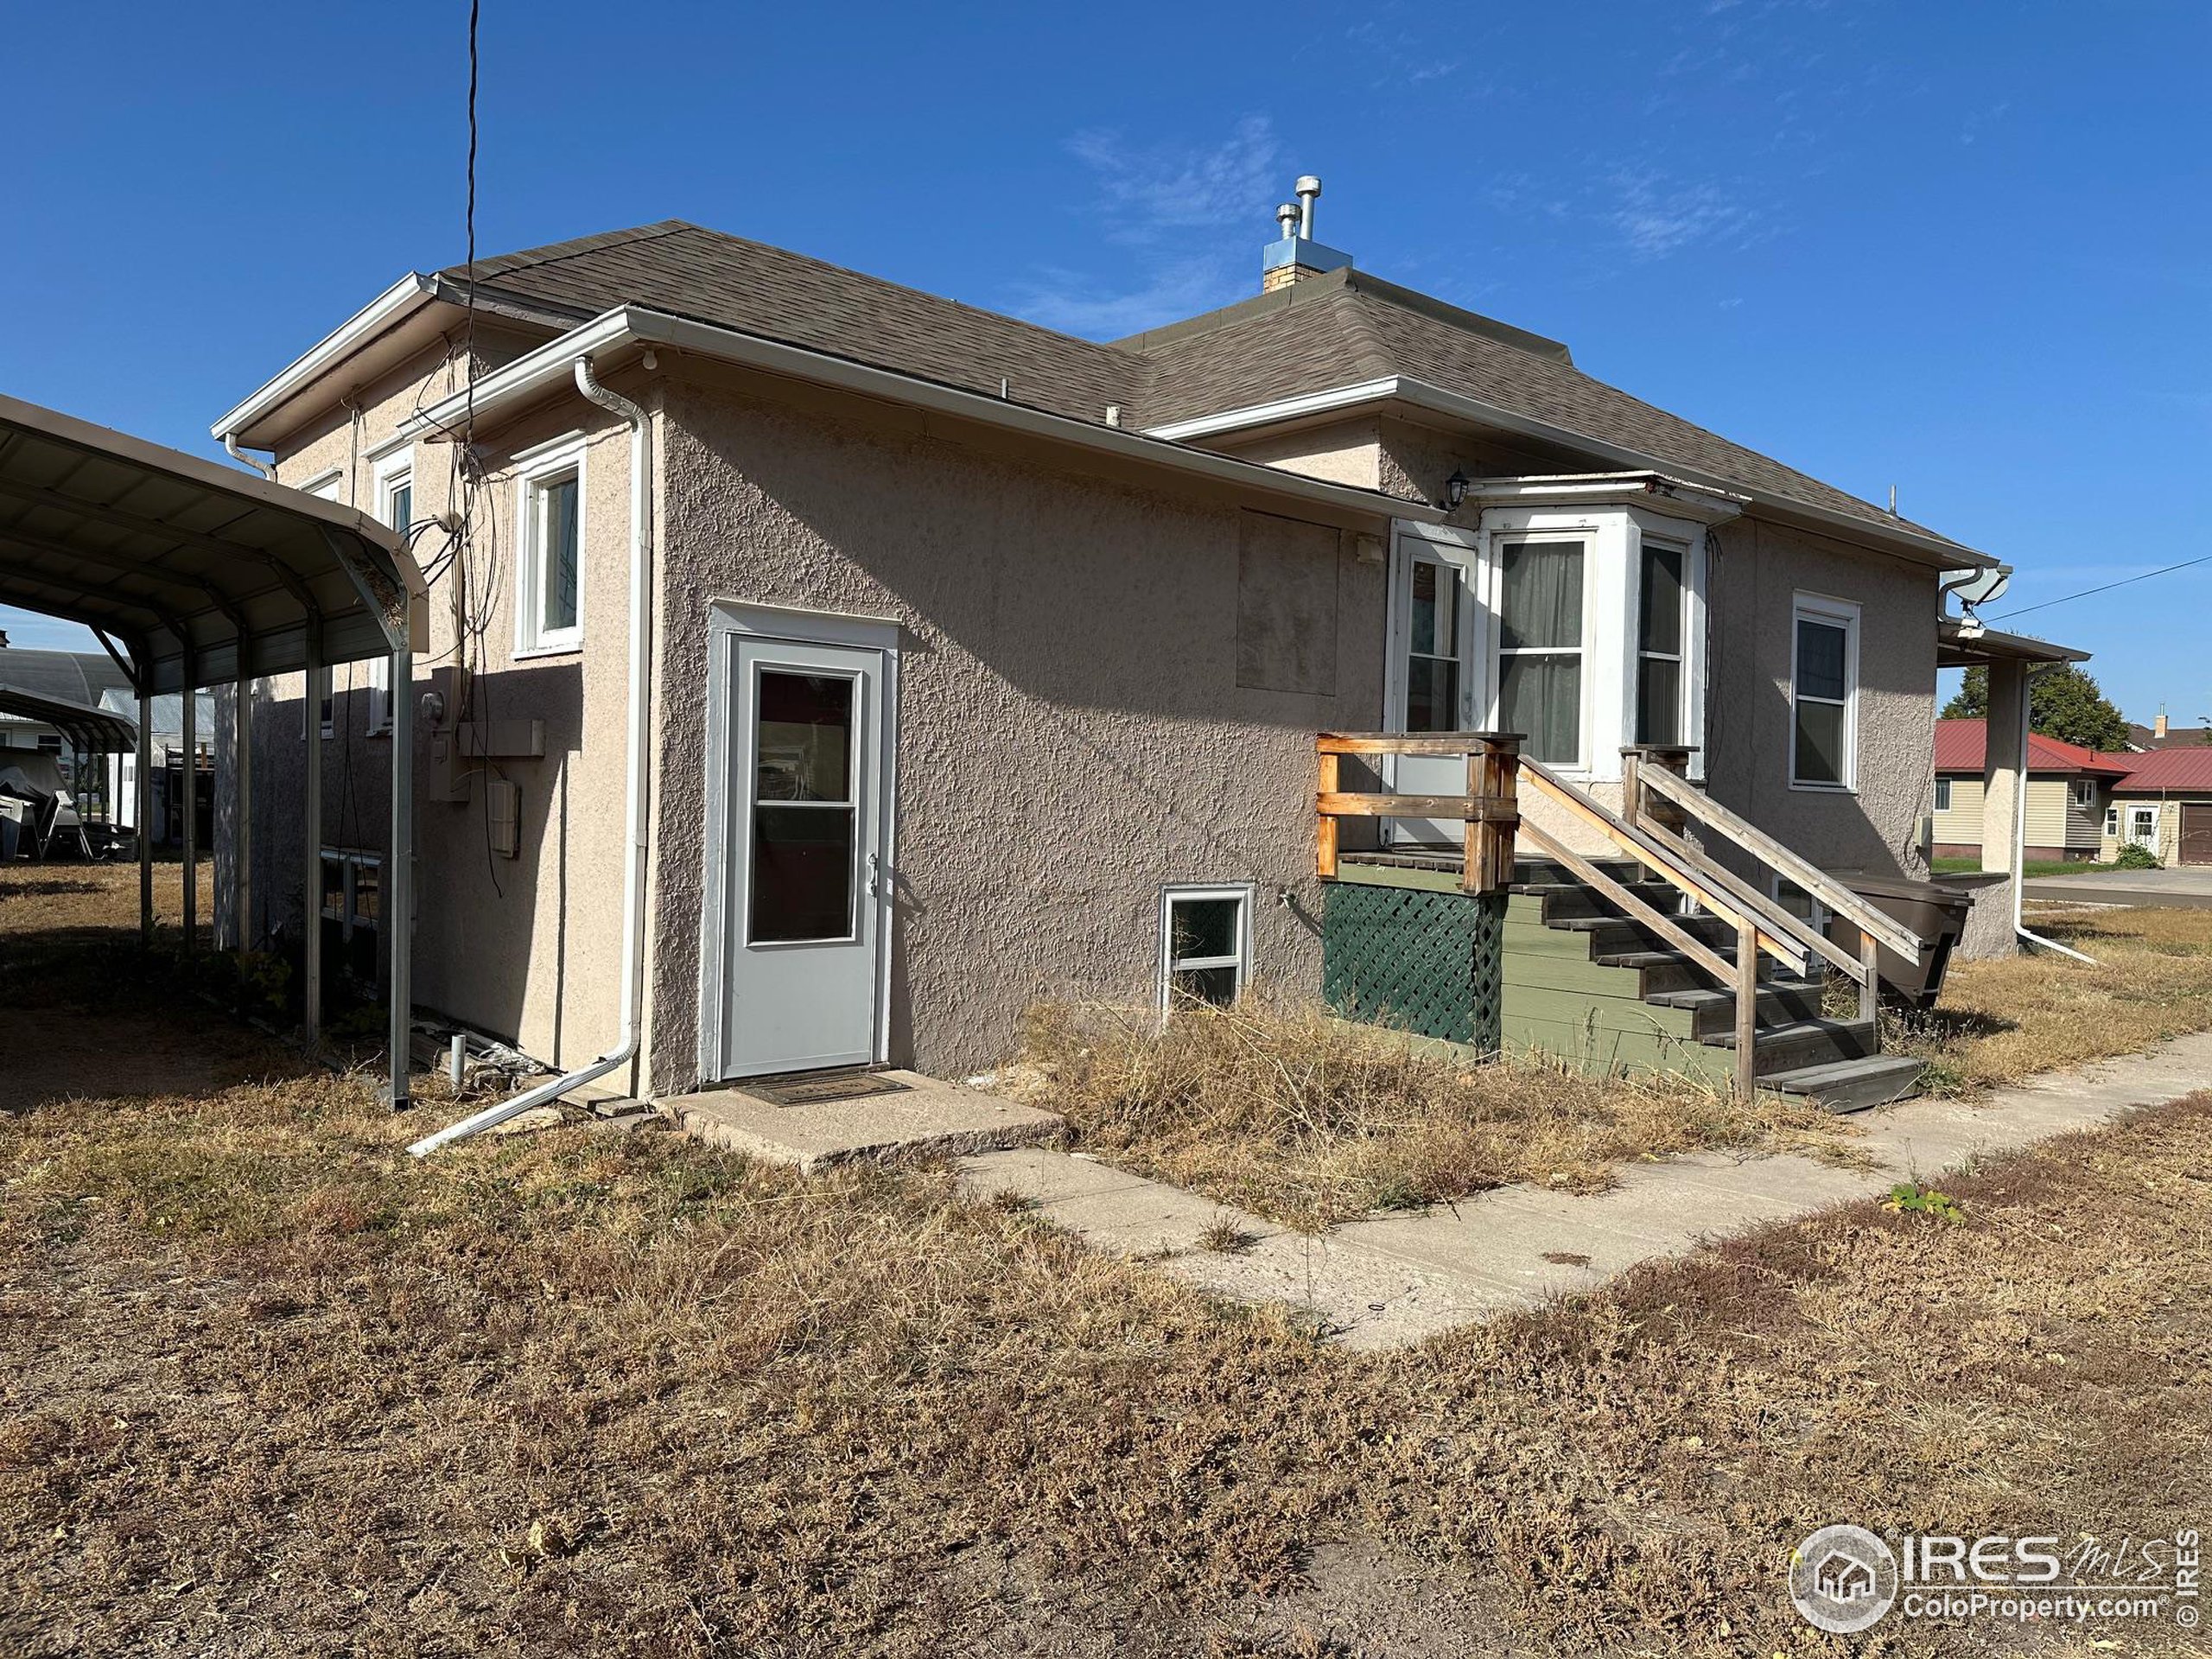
x,y
1397,1278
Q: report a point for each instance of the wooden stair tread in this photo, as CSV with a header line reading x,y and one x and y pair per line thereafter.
x,y
1851,1085
1797,1028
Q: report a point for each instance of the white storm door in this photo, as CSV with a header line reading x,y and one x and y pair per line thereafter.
x,y
2143,827
1436,664
802,879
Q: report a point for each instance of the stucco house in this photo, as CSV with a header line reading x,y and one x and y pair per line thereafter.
x,y
925,662
2069,794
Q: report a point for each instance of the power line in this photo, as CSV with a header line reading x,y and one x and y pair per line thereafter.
x,y
2205,558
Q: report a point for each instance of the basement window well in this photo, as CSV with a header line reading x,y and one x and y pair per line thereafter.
x,y
1205,945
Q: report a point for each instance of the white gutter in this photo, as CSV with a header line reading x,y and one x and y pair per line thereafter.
x,y
2020,826
635,810
1422,394
395,305
266,468
538,372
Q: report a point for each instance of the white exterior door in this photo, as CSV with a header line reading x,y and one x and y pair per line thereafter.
x,y
797,890
1438,667
2143,827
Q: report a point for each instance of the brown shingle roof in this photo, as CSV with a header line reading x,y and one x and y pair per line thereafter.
x,y
715,278
1337,330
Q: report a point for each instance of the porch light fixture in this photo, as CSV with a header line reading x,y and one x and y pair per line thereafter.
x,y
1455,491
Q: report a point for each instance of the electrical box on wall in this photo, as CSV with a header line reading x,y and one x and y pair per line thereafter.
x,y
503,809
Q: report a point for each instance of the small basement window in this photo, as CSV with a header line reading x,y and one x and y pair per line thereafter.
x,y
1205,944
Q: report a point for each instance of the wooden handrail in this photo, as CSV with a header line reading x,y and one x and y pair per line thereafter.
x,y
1489,811
1839,899
1730,900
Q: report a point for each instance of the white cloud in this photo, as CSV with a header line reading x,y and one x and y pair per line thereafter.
x,y
1146,192
1076,303
1659,216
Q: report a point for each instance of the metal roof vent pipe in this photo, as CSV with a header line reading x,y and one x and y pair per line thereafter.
x,y
1297,256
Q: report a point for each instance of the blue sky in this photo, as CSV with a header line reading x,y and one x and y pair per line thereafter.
x,y
1956,249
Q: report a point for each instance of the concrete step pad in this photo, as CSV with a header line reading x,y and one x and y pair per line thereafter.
x,y
926,1119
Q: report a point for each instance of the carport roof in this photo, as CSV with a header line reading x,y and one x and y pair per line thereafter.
x,y
100,731
189,562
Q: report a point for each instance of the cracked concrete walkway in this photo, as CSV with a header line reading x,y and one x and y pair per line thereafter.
x,y
1392,1279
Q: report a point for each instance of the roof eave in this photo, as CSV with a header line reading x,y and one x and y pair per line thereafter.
x,y
387,311
1919,548
539,372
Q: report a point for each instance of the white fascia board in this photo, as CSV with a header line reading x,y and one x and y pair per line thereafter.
x,y
1422,394
553,365
1282,409
1676,497
394,305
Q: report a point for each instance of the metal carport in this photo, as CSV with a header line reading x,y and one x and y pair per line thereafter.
x,y
194,575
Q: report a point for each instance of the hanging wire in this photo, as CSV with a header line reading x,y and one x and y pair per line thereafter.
x,y
2003,616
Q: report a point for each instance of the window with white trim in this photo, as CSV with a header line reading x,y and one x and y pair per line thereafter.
x,y
2111,820
2085,793
1799,903
1540,648
1662,627
549,589
1205,945
1824,694
1942,794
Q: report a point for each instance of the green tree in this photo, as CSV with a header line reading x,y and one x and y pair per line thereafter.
x,y
2066,704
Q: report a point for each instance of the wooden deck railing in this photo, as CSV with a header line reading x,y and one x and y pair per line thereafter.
x,y
1489,809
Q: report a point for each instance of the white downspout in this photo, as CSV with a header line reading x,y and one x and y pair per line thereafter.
x,y
267,469
635,812
2020,826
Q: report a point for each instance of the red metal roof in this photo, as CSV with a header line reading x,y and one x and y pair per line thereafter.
x,y
1960,743
2175,771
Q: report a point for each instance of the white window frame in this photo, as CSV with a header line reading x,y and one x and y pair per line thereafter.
x,y
347,914
1170,964
1593,576
2138,812
2085,793
1836,613
1817,914
1686,654
393,472
1942,794
2112,821
536,469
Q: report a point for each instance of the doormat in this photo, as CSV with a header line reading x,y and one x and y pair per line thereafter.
x,y
814,1088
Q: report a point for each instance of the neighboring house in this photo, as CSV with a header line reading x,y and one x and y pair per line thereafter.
x,y
2160,734
986,662
2165,803
2068,794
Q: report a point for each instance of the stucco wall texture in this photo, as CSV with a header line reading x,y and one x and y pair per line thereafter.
x,y
527,949
1072,733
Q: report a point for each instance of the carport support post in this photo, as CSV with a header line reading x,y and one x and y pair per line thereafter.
x,y
311,822
144,789
190,790
242,808
398,896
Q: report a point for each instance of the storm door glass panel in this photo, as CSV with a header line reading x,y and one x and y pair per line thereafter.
x,y
1433,648
805,816
1540,648
1659,647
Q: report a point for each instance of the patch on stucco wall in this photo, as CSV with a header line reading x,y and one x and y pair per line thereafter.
x,y
1285,605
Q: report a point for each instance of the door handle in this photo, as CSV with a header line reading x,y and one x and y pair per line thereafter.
x,y
874,881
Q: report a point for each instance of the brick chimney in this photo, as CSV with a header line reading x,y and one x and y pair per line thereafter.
x,y
2158,725
1298,256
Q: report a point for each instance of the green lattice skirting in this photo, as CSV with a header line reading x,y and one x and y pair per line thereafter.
x,y
1417,960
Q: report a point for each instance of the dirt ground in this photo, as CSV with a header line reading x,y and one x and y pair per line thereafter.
x,y
268,1386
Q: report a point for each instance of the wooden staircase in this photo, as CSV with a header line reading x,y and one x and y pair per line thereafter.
x,y
1834,1062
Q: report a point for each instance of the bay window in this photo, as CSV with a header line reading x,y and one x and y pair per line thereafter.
x,y
1661,601
1540,647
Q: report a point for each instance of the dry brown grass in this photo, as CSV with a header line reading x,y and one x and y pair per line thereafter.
x,y
269,1387
1999,1022
1280,1108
